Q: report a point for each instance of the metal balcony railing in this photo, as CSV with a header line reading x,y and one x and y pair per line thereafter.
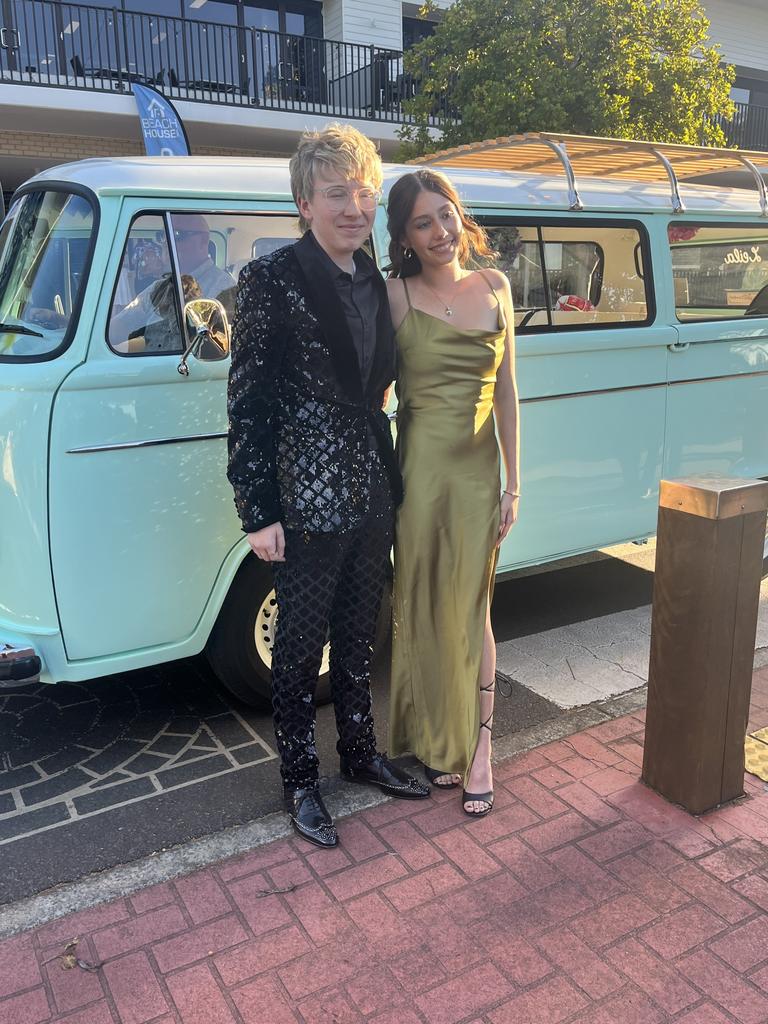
x,y
74,46
748,128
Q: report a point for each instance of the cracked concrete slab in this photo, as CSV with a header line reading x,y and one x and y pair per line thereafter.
x,y
595,659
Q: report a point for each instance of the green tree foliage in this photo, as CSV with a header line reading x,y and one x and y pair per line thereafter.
x,y
642,69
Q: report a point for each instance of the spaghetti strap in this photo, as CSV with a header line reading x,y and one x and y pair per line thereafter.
x,y
500,307
488,282
407,293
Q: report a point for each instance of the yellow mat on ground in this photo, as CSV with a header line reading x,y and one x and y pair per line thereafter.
x,y
756,754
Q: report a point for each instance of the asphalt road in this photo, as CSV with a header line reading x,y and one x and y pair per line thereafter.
x,y
98,774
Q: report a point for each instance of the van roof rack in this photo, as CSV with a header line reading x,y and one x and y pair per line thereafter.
x,y
548,152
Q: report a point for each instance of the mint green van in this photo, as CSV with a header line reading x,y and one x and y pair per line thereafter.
x,y
642,353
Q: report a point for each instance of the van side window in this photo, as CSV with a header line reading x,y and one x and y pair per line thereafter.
x,y
144,318
211,248
571,276
719,272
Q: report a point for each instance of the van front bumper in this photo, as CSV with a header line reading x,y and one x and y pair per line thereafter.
x,y
19,665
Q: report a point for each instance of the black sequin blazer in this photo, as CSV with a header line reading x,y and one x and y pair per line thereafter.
x,y
298,413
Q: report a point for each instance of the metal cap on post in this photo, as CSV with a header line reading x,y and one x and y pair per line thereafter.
x,y
709,559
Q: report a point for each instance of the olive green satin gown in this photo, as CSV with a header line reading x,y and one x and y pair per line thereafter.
x,y
445,538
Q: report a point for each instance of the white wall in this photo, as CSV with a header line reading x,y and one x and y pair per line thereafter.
x,y
741,28
367,22
333,21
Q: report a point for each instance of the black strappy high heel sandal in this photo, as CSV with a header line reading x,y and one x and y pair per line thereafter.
x,y
432,775
485,798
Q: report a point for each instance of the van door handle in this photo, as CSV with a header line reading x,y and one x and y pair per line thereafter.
x,y
679,346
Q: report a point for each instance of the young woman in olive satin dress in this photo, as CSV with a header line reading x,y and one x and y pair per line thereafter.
x,y
456,388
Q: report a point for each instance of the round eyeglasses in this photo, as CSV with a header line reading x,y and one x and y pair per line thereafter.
x,y
338,197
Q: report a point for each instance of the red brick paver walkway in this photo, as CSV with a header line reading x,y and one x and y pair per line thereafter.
x,y
583,898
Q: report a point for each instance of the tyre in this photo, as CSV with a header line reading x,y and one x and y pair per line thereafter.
x,y
239,649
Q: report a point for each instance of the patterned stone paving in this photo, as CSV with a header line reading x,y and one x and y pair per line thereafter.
x,y
77,750
584,898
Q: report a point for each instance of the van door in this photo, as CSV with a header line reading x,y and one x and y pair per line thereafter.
x,y
142,515
718,368
591,367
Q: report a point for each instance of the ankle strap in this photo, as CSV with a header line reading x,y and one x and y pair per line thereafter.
x,y
488,723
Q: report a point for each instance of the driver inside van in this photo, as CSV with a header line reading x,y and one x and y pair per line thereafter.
x,y
191,236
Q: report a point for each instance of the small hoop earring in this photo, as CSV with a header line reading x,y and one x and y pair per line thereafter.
x,y
408,253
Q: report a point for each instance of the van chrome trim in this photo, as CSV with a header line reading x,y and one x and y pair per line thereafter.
x,y
678,206
759,182
643,387
393,415
558,148
596,391
151,443
721,376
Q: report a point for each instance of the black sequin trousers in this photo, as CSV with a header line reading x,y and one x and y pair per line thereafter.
x,y
330,585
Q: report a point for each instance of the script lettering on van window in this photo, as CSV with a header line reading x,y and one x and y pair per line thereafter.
x,y
742,256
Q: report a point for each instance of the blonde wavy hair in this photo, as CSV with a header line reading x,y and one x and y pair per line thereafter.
x,y
338,147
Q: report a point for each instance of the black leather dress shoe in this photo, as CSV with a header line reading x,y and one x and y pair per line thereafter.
x,y
310,817
390,779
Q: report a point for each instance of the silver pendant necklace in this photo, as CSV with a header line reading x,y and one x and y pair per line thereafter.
x,y
448,306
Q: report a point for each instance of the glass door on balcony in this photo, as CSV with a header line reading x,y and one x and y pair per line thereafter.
x,y
264,54
286,52
152,34
9,40
91,44
213,49
30,48
306,52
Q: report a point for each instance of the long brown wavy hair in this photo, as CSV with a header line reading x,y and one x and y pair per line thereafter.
x,y
473,243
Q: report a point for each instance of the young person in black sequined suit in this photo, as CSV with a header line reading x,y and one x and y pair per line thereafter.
x,y
312,464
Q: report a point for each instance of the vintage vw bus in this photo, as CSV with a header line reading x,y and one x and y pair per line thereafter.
x,y
642,322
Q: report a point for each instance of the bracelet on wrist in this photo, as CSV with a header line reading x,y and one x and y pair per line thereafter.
x,y
512,494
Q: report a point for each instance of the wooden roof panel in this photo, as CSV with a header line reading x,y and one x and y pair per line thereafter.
x,y
592,157
579,157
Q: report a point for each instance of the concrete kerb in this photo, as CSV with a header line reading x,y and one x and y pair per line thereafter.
x,y
166,865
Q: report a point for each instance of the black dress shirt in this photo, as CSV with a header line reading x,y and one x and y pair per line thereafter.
x,y
361,305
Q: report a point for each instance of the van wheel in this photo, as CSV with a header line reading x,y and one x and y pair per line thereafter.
x,y
239,649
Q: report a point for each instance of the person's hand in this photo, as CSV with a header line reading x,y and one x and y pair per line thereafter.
x,y
508,514
268,544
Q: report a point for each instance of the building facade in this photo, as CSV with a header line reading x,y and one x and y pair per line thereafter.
x,y
741,29
247,76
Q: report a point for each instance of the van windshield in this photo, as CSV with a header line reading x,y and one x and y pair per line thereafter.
x,y
44,245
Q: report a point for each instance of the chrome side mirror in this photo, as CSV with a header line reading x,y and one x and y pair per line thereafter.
x,y
207,330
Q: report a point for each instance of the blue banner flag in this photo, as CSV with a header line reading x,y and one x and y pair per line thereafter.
x,y
161,126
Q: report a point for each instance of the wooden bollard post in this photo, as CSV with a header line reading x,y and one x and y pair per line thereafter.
x,y
709,558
